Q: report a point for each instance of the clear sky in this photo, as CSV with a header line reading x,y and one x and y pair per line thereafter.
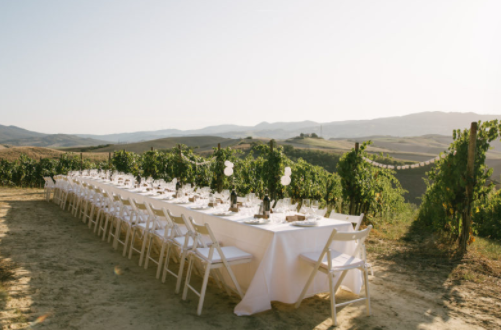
x,y
119,66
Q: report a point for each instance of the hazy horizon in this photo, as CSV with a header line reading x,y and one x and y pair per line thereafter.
x,y
104,67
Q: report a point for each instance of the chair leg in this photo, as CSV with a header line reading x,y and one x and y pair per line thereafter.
x,y
106,220
181,269
204,289
160,260
367,293
146,236
307,285
221,279
333,299
133,235
98,220
188,278
167,260
127,236
233,278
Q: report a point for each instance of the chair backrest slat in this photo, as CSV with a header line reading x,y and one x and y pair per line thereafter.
x,y
356,220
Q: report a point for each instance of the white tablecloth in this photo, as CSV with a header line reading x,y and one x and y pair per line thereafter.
x,y
276,273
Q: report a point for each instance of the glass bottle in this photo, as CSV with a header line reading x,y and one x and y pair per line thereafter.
x,y
266,205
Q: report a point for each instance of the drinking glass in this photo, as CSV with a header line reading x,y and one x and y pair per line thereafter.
x,y
314,206
306,205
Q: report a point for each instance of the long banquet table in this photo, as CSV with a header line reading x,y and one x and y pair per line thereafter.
x,y
275,273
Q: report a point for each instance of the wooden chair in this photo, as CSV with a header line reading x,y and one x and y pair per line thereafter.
x,y
332,263
356,220
139,227
159,233
110,213
48,187
212,258
180,242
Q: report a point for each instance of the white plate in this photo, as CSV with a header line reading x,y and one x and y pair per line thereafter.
x,y
307,224
225,213
199,207
261,222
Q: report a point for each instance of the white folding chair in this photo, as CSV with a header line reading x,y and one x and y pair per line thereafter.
x,y
159,233
98,201
111,213
321,212
333,263
356,221
139,227
212,258
180,242
124,218
103,206
48,187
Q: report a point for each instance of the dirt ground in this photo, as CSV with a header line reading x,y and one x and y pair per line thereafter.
x,y
56,274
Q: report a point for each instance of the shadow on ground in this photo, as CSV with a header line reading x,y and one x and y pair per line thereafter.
x,y
63,270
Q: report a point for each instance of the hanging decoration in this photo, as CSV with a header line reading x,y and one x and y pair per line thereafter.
x,y
286,179
228,171
207,162
406,167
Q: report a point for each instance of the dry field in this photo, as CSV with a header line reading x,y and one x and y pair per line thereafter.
x,y
56,274
13,153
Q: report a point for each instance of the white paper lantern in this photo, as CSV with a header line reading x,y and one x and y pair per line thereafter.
x,y
432,161
228,171
421,164
288,171
427,162
285,180
228,164
399,167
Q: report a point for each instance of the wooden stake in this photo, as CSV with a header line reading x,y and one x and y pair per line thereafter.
x,y
470,177
357,146
271,145
151,148
219,146
81,161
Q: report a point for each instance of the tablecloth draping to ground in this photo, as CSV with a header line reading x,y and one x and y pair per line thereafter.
x,y
276,273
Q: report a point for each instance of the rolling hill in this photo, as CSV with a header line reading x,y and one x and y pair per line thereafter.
x,y
54,141
199,142
417,124
11,154
14,132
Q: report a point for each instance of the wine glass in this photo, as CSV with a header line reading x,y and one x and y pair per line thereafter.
x,y
305,207
314,206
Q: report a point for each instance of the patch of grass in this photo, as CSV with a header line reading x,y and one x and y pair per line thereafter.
x,y
6,271
489,248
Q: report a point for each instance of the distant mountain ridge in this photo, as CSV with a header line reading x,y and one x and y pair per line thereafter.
x,y
416,124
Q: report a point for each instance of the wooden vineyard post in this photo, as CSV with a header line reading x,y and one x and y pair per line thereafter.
x,y
109,160
219,177
352,202
271,187
470,177
81,162
151,148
